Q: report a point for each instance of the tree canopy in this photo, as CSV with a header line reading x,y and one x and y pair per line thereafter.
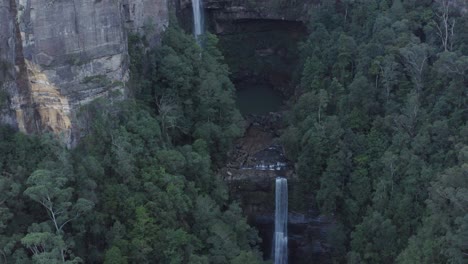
x,y
378,133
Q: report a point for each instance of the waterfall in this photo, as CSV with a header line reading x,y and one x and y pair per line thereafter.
x,y
197,8
281,221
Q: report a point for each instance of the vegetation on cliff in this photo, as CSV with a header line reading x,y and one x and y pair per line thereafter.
x,y
379,134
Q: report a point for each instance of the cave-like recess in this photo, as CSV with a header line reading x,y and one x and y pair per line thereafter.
x,y
258,49
262,51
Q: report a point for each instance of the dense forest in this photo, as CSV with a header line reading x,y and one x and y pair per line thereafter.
x,y
377,131
380,134
140,186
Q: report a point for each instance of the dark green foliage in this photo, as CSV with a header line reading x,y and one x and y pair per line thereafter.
x,y
379,132
190,91
140,186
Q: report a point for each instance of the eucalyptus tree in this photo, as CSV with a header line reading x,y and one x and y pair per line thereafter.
x,y
51,190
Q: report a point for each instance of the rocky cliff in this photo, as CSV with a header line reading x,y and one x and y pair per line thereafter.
x,y
56,55
14,92
222,14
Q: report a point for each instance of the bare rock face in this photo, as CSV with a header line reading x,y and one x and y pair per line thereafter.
x,y
15,94
61,54
7,62
147,17
65,43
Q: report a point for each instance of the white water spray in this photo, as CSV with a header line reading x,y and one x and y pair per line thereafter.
x,y
281,221
197,8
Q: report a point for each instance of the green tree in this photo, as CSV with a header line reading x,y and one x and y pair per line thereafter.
x,y
374,240
49,188
114,256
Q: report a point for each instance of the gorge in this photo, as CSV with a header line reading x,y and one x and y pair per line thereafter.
x,y
233,131
85,56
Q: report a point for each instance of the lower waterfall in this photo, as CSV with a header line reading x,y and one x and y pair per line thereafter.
x,y
281,221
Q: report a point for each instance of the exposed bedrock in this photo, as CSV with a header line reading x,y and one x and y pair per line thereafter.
x,y
57,55
15,107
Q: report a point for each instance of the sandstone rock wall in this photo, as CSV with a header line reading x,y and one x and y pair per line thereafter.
x,y
15,93
147,17
57,55
65,43
7,62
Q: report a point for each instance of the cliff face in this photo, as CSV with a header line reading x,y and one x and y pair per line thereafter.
x,y
14,92
148,17
62,54
223,13
57,55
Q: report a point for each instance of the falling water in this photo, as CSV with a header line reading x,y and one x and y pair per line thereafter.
x,y
281,221
197,18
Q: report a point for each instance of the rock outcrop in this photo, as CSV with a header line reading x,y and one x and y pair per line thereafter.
x,y
57,55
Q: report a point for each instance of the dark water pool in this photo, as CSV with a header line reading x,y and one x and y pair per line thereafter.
x,y
258,99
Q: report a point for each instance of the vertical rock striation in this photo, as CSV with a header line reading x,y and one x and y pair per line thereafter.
x,y
57,55
15,96
147,17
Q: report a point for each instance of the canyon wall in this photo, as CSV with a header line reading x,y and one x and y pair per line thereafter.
x,y
224,13
57,55
221,14
14,92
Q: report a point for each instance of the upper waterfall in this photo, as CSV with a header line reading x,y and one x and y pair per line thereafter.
x,y
198,19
